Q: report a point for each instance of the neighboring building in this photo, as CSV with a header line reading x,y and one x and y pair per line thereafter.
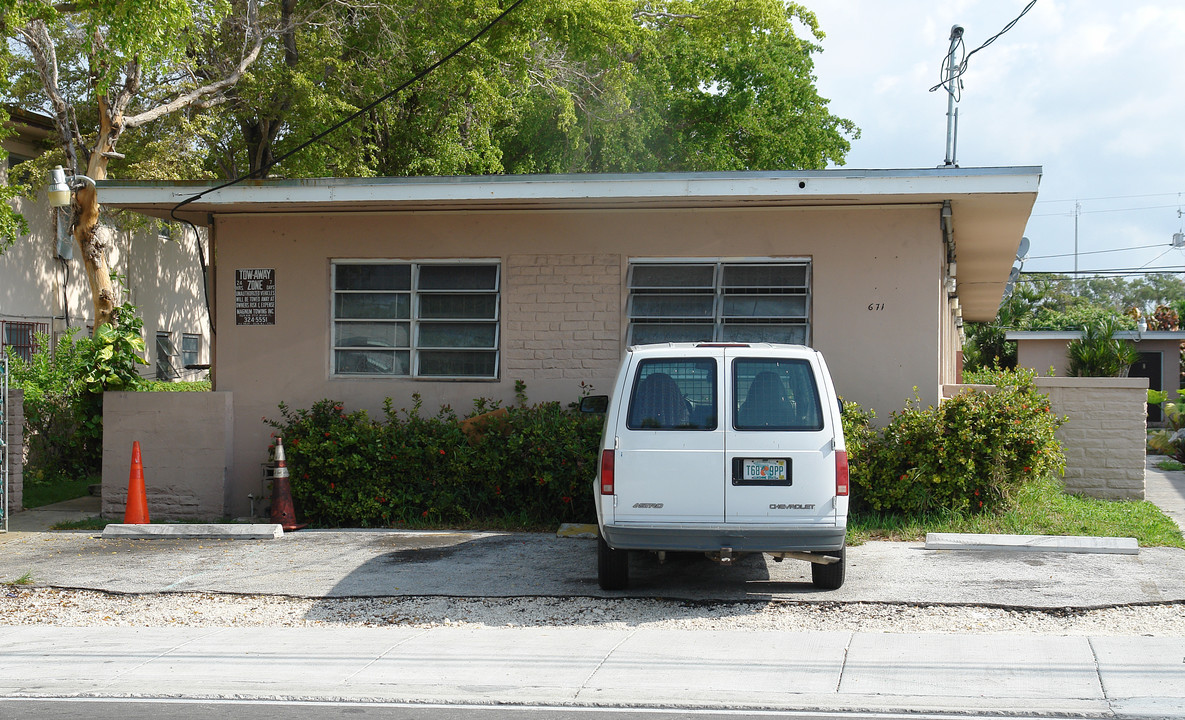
x,y
44,289
455,288
1160,357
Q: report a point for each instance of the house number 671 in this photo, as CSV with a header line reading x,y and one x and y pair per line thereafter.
x,y
875,307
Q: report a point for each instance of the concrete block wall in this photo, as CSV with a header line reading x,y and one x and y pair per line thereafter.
x,y
577,297
1105,436
15,408
186,439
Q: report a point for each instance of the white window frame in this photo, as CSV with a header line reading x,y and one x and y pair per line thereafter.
x,y
414,321
718,319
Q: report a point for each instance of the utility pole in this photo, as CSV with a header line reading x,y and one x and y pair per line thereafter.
x,y
1077,212
952,115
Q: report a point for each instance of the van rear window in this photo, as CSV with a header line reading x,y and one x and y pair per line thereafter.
x,y
772,394
674,394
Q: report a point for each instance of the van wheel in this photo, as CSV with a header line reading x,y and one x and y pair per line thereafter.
x,y
829,577
613,567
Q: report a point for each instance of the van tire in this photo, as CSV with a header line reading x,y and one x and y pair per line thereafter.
x,y
830,576
613,567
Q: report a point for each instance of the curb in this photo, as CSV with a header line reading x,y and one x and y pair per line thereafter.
x,y
211,531
1033,543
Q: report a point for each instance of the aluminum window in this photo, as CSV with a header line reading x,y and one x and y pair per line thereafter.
x,y
694,301
416,319
191,349
165,352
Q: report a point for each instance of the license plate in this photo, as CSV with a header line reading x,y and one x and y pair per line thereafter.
x,y
767,470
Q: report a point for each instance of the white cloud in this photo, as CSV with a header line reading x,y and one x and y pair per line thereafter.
x,y
1089,89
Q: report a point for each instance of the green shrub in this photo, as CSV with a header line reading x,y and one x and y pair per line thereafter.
x,y
63,422
177,386
1099,354
63,390
968,454
533,467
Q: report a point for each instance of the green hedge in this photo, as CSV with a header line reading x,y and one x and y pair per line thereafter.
x,y
534,466
968,454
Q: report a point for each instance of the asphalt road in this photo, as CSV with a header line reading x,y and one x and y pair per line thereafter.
x,y
401,563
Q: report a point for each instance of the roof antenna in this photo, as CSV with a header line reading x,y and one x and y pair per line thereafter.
x,y
952,113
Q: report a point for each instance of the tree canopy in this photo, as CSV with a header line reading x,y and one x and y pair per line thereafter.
x,y
1058,302
558,86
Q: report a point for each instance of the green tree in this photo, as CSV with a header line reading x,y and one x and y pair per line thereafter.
x,y
108,66
562,86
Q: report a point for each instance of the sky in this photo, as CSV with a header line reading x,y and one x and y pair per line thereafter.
x,y
1091,90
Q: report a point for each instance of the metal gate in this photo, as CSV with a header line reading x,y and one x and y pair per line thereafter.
x,y
4,440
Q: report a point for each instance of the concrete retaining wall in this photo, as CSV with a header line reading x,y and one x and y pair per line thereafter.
x,y
185,443
15,407
1105,436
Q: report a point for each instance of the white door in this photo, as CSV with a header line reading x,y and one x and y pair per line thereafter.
x,y
778,441
669,464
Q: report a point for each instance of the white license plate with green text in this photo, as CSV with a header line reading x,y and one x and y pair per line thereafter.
x,y
763,470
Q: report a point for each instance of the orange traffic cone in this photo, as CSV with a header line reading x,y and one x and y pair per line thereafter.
x,y
136,512
282,511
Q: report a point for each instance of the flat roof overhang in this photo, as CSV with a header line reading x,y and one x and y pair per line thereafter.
x,y
990,206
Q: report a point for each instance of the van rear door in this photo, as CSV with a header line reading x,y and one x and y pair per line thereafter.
x,y
670,443
779,440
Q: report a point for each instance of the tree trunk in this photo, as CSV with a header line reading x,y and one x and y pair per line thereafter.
x,y
86,221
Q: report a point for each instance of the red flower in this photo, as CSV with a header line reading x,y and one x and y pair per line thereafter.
x,y
441,452
566,499
332,486
326,434
425,513
1027,468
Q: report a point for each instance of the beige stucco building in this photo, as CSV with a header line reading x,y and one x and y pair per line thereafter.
x,y
455,288
44,289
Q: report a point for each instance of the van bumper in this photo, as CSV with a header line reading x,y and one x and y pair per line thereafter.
x,y
711,538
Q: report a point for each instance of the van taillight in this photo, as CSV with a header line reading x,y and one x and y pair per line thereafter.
x,y
841,473
607,472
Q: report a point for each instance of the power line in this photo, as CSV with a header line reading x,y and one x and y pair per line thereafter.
x,y
1070,213
358,113
1111,197
948,77
1115,271
1094,252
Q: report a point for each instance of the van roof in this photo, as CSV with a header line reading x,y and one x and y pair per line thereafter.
x,y
710,348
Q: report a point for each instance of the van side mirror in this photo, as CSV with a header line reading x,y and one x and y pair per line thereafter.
x,y
841,407
594,403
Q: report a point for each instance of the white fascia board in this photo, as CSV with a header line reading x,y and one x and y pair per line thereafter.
x,y
1075,334
865,185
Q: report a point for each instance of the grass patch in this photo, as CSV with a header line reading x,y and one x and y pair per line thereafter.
x,y
1170,465
91,523
26,579
1039,508
40,494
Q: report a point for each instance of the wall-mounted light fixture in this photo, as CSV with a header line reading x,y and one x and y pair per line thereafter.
x,y
62,185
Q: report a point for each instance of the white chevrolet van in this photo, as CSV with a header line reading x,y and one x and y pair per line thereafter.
x,y
726,449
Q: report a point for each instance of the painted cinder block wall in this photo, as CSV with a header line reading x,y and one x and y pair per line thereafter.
x,y
1104,438
563,299
185,446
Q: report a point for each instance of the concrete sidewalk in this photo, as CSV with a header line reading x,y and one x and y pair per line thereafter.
x,y
822,671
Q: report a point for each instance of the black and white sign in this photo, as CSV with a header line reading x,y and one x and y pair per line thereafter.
x,y
255,296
